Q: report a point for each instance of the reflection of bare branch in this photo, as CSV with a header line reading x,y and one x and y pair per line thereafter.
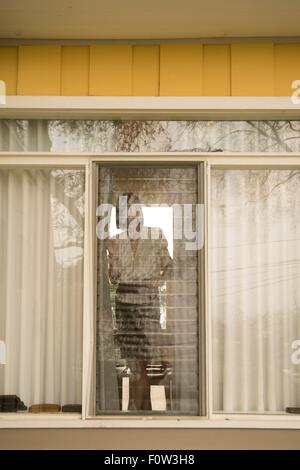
x,y
71,206
199,149
186,127
262,181
273,126
279,124
292,138
291,125
275,135
236,131
134,135
288,178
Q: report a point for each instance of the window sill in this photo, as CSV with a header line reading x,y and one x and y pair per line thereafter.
x,y
72,420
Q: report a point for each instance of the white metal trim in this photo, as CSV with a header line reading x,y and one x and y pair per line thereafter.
x,y
150,107
208,299
216,422
73,159
86,333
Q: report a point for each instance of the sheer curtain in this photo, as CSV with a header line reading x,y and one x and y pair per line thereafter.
x,y
23,135
41,284
255,252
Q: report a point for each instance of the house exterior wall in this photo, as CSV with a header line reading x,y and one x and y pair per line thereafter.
x,y
262,69
239,69
117,439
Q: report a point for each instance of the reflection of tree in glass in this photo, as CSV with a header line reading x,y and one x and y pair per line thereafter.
x,y
134,135
67,207
260,184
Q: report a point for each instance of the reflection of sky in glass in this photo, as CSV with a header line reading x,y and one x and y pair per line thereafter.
x,y
158,217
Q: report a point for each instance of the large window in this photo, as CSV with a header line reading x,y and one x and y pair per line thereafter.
x,y
148,269
134,287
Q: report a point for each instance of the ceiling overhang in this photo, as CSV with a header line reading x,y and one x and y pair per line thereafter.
x,y
143,19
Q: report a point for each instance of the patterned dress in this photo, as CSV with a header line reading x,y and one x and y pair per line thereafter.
x,y
137,300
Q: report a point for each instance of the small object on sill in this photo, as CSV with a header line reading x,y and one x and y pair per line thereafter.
x,y
71,408
45,408
11,404
293,409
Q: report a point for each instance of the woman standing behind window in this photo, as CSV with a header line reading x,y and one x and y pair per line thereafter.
x,y
137,265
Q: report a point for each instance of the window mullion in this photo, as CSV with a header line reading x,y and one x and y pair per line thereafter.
x,y
88,373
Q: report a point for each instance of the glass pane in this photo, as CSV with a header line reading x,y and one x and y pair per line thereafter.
x,y
41,287
255,226
147,315
94,136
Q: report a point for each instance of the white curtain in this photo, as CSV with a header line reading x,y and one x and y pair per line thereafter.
x,y
41,284
255,250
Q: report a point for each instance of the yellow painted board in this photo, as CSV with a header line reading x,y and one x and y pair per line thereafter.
x,y
145,71
111,70
39,70
9,68
75,71
181,69
287,68
252,69
216,70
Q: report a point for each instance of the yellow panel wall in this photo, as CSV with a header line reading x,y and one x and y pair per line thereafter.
x,y
287,67
180,69
9,68
145,71
239,69
75,70
39,70
111,70
252,69
216,70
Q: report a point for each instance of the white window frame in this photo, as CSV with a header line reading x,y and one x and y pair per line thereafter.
x,y
183,108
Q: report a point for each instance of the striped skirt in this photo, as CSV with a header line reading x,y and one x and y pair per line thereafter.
x,y
137,321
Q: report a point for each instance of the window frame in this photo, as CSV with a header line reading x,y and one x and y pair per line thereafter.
x,y
86,160
199,167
